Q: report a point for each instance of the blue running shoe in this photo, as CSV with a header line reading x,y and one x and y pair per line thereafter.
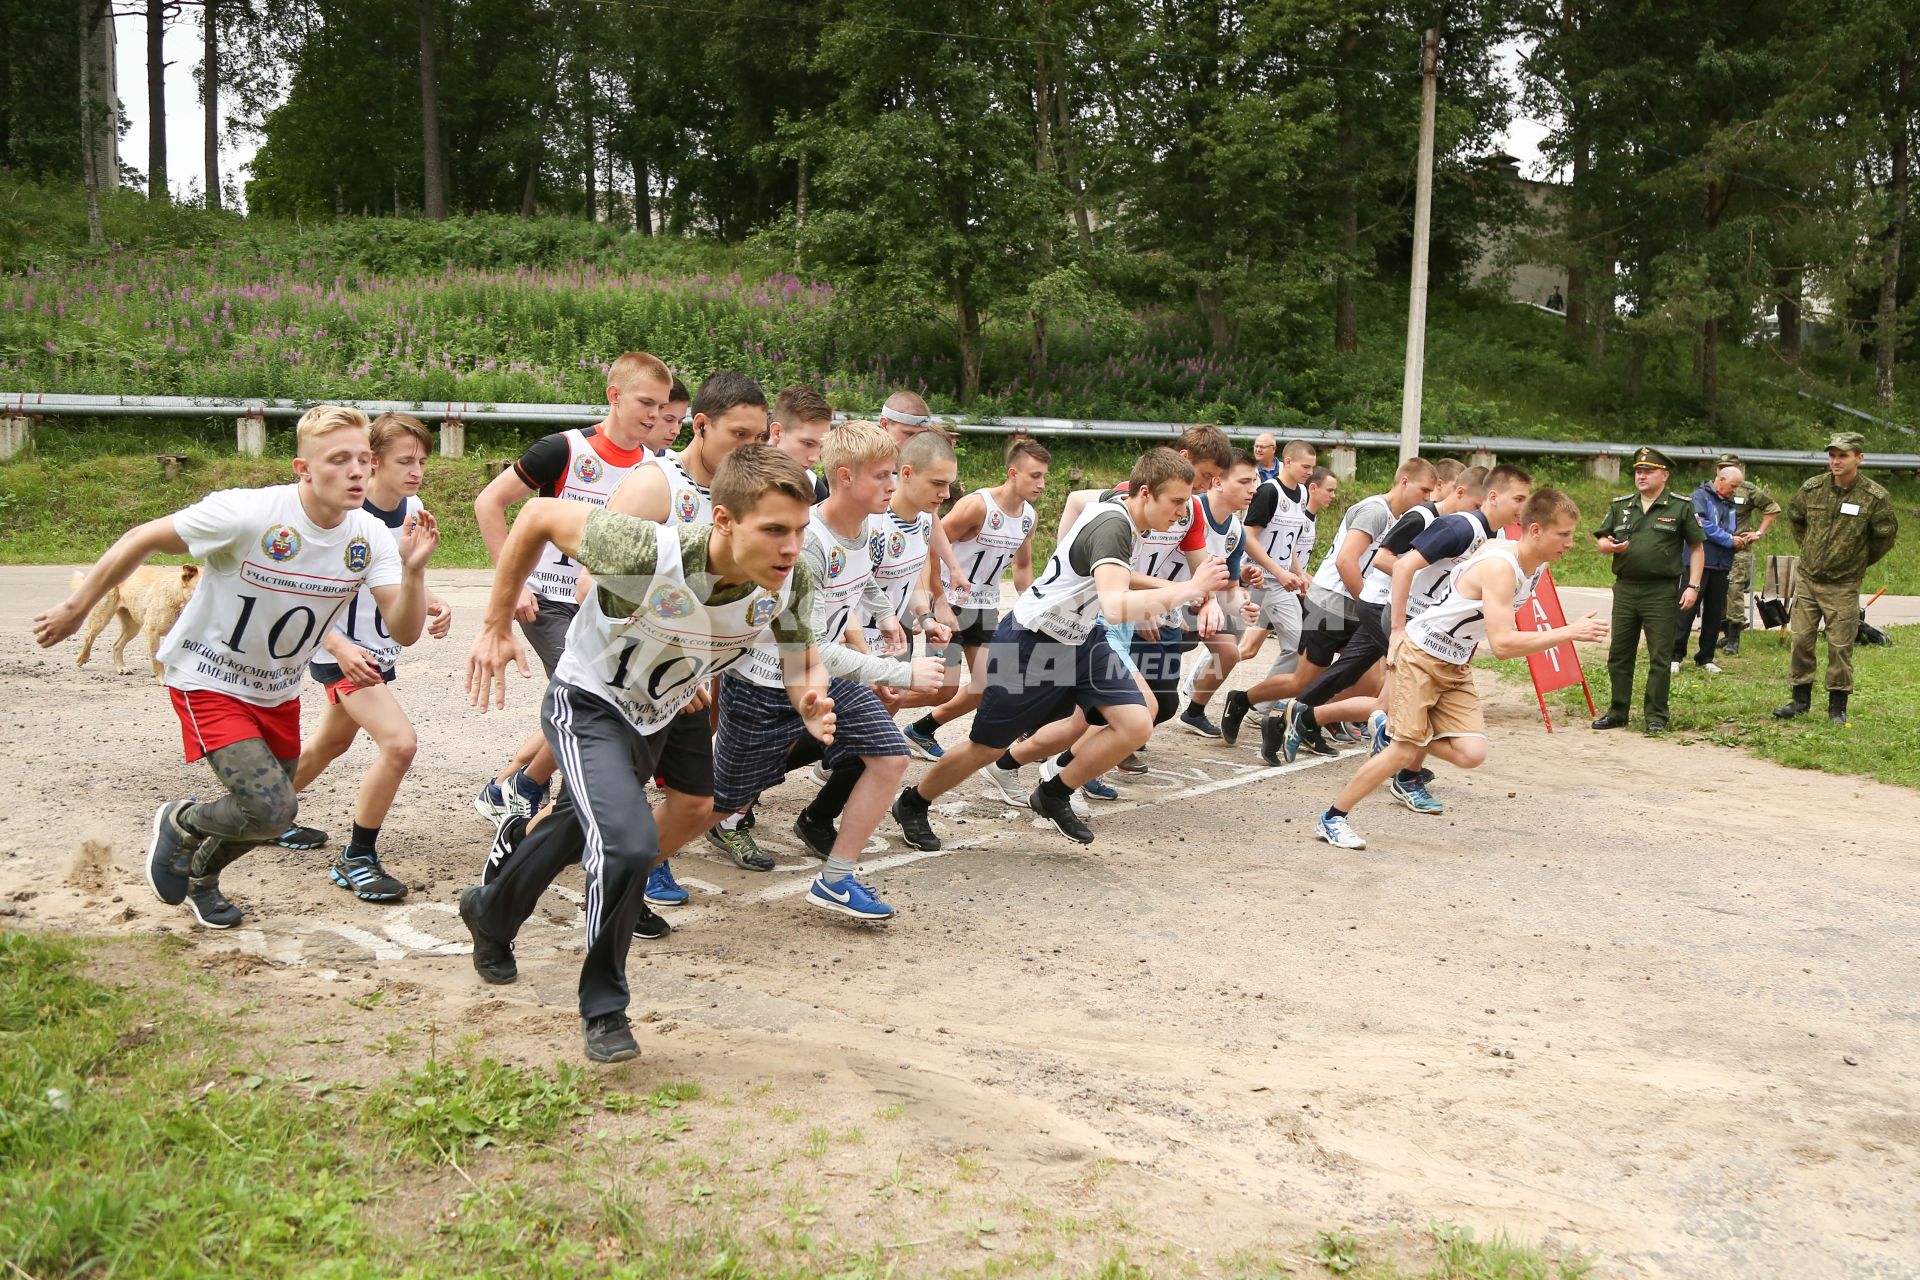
x,y
366,879
491,803
849,897
169,852
921,744
1378,739
301,838
1415,796
1099,790
662,889
1290,745
1338,832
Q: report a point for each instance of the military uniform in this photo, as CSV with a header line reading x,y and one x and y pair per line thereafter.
x,y
1841,532
1751,505
1659,537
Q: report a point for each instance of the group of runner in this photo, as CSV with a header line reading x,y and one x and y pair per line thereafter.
x,y
772,597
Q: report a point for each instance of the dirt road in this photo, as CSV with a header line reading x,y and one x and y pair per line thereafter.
x,y
1650,999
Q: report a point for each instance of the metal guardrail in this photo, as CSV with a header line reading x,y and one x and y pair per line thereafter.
x,y
58,405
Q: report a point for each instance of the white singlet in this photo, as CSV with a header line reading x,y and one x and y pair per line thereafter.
x,y
688,502
589,478
361,622
985,556
898,548
1327,576
1281,538
1063,602
847,572
1453,627
1429,584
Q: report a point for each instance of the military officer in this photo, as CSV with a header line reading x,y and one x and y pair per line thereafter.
x,y
1754,513
1652,536
1843,522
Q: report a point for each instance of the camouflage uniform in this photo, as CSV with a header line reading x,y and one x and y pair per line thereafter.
x,y
1841,532
1752,505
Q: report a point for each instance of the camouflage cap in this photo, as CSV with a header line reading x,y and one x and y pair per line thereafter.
x,y
1648,456
1847,442
1730,460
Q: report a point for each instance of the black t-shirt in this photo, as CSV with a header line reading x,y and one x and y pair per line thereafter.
x,y
1402,533
543,466
820,489
1266,504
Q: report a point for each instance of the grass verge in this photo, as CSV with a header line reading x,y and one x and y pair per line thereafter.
x,y
1735,709
83,485
149,1127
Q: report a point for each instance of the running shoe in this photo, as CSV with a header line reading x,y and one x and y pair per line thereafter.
x,y
1415,796
1292,740
1712,668
1049,770
301,838
506,842
1060,813
848,897
1273,734
1007,782
492,960
210,906
491,803
1099,790
609,1038
1236,711
914,826
817,836
662,889
168,853
818,773
923,745
740,845
366,878
1194,719
650,926
1338,832
1132,764
1378,739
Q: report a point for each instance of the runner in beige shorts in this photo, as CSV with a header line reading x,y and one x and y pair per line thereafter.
x,y
1435,709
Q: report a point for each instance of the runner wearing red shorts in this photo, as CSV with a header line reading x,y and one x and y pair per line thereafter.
x,y
277,565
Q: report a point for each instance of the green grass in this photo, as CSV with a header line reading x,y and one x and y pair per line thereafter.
x,y
1735,709
145,1130
83,485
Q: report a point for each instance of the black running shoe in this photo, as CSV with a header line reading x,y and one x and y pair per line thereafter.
x,y
506,842
168,852
1059,811
610,1038
1194,719
914,825
1273,736
366,879
1230,718
493,961
651,926
301,838
817,836
210,906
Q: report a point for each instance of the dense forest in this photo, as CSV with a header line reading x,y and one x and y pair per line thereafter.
x,y
1734,175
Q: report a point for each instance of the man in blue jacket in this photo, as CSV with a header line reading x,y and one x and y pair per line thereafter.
x,y
1713,504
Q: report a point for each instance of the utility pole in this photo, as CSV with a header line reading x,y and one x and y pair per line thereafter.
x,y
1410,394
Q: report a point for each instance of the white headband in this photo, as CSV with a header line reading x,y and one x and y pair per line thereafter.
x,y
890,414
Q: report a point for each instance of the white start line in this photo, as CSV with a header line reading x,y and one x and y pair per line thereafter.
x,y
421,929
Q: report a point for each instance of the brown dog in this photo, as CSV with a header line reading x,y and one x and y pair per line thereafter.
x,y
148,602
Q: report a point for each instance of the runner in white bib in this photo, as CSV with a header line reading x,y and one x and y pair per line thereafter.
x,y
1436,710
277,564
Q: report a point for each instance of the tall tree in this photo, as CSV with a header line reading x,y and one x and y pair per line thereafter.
x,y
158,12
210,95
433,158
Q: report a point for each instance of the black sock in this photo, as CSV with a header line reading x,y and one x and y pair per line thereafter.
x,y
1332,812
831,801
926,725
1007,761
1407,777
912,799
364,838
1064,759
1056,788
1303,716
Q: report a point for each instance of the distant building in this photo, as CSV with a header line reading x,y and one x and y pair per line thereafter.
x,y
1503,253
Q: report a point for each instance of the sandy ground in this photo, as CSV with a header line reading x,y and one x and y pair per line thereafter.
x,y
1645,998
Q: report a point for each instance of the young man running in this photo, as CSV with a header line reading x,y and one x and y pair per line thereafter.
x,y
801,419
1050,656
1291,527
991,531
276,565
868,758
359,660
1436,710
1217,515
670,605
1334,614
901,538
1420,577
580,466
729,412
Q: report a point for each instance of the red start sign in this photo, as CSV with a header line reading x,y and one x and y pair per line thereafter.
x,y
1558,667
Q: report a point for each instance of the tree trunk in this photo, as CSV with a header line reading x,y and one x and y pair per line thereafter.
x,y
1576,260
1886,338
1636,377
971,349
156,100
642,196
530,189
1212,301
1709,365
99,132
1600,298
1787,313
210,98
586,123
1039,357
1070,161
433,159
